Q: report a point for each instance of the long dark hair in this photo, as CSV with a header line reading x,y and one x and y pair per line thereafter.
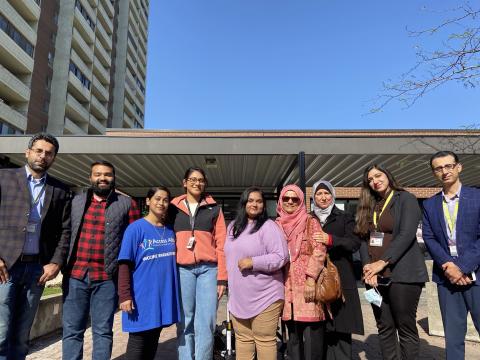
x,y
368,198
241,220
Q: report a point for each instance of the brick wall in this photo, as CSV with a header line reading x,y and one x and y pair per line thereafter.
x,y
354,192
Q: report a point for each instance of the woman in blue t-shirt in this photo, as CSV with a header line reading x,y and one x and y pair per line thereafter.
x,y
147,279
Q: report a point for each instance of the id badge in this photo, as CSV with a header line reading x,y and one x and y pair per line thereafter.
x,y
191,242
376,238
453,250
31,227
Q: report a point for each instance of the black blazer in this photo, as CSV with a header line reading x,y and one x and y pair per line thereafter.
x,y
340,225
14,213
405,258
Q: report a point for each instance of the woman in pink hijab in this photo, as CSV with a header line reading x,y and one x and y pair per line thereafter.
x,y
307,258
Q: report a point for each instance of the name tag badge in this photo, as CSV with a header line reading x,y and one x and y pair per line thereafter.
x,y
376,238
31,227
191,242
453,250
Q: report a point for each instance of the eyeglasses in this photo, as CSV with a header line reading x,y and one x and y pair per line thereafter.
x,y
448,167
38,152
294,199
194,180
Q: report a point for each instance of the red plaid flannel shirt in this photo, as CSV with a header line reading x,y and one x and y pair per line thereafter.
x,y
90,249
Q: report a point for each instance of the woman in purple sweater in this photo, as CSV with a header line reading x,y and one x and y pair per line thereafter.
x,y
255,251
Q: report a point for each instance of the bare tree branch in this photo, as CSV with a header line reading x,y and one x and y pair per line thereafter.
x,y
458,60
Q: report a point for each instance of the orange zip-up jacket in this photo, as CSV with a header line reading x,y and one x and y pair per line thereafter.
x,y
209,231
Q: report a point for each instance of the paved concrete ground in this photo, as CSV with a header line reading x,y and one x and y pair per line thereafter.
x,y
364,347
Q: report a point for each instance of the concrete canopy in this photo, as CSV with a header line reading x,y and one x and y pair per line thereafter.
x,y
235,160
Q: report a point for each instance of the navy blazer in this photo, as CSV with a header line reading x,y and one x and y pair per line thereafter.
x,y
467,230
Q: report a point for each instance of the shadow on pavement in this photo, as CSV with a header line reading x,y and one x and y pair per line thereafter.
x,y
370,350
45,341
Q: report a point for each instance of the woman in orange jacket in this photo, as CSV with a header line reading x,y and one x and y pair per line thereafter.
x,y
200,235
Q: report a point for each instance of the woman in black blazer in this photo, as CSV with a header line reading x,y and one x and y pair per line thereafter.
x,y
387,218
347,315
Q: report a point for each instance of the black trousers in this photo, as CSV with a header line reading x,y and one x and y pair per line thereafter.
x,y
339,345
142,345
398,315
305,340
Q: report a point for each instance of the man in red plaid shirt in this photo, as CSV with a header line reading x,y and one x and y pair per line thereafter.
x,y
99,218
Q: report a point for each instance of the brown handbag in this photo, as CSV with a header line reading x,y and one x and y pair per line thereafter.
x,y
328,287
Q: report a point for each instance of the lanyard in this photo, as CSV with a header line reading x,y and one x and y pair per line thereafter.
x,y
39,195
383,208
192,216
451,222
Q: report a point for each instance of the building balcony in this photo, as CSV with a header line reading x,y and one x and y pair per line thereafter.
x,y
98,109
76,111
93,3
129,110
141,97
83,27
12,88
86,70
76,88
142,70
142,56
18,21
96,127
81,47
108,7
13,56
106,21
102,55
104,38
99,90
100,72
143,17
73,129
28,9
13,117
128,122
133,12
88,8
143,30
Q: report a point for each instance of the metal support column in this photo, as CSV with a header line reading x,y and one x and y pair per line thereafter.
x,y
301,174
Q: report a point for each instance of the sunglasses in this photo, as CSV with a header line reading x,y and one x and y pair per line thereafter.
x,y
294,199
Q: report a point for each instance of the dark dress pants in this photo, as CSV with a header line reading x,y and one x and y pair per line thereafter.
x,y
398,314
306,340
455,303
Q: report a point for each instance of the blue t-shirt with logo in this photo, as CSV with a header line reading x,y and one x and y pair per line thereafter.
x,y
154,280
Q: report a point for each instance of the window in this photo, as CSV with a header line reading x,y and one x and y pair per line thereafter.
x,y
15,35
50,59
48,82
46,105
81,76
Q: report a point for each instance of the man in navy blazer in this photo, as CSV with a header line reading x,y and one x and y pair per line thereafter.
x,y
451,231
34,239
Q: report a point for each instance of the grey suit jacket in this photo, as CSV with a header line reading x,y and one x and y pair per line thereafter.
x,y
14,213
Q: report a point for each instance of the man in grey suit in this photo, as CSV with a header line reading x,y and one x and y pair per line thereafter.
x,y
34,236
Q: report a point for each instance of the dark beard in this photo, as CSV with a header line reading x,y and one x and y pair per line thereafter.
x,y
102,192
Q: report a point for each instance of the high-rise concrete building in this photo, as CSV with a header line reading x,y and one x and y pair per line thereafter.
x,y
72,66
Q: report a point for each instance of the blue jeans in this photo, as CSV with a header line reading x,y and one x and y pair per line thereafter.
x,y
81,297
19,299
455,304
198,297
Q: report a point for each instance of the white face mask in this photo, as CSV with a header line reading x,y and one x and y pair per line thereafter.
x,y
373,297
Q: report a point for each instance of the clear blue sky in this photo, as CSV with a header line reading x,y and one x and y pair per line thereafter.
x,y
292,64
